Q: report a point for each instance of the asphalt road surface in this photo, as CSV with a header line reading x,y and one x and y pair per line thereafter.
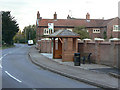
x,y
19,72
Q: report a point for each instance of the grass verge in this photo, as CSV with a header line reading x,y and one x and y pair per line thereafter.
x,y
6,46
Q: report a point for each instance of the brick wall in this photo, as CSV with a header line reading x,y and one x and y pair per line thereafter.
x,y
116,34
102,52
45,46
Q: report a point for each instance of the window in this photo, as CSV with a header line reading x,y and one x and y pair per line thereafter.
x,y
46,31
116,28
88,21
51,31
96,30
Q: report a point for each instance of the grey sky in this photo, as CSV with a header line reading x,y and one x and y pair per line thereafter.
x,y
25,10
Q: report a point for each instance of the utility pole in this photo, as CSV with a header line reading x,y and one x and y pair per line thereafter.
x,y
0,29
29,35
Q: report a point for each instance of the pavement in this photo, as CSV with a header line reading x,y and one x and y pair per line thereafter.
x,y
93,67
92,74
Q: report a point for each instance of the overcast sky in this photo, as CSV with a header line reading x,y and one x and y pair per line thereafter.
x,y
25,11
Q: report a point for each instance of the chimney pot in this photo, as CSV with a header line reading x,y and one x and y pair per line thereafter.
x,y
68,17
38,15
55,16
87,16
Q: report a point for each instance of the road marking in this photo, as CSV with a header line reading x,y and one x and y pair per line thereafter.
x,y
0,66
3,56
13,77
9,53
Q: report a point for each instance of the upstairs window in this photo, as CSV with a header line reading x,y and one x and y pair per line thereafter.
x,y
96,30
116,27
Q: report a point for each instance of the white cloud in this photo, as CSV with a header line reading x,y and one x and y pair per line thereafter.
x,y
25,10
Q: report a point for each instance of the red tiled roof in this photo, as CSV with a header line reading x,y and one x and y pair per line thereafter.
x,y
75,22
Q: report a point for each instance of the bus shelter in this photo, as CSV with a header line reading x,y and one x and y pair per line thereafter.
x,y
65,44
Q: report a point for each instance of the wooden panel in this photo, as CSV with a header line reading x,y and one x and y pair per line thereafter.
x,y
58,53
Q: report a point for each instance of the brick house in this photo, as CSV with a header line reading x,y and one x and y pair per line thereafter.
x,y
97,28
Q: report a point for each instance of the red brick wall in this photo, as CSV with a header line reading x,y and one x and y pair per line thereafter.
x,y
45,46
68,50
116,34
102,52
89,47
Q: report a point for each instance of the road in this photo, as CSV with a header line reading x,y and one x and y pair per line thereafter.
x,y
19,72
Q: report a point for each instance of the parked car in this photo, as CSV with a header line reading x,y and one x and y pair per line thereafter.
x,y
30,42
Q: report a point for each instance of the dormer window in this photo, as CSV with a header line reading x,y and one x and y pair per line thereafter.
x,y
88,21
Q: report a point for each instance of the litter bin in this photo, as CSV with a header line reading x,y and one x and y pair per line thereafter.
x,y
77,59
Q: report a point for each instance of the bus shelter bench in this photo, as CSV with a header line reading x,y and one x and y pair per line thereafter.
x,y
86,57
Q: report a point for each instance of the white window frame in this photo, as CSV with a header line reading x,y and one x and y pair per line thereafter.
x,y
50,31
116,28
45,33
96,30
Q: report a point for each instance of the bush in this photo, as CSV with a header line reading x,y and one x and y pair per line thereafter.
x,y
22,40
81,30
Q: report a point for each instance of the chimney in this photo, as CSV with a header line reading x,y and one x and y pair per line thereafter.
x,y
55,16
38,15
68,17
87,16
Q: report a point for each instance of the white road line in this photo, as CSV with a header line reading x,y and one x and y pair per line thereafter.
x,y
9,53
3,56
0,66
13,77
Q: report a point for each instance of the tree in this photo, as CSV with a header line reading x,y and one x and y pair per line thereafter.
x,y
105,35
30,32
9,28
19,37
81,30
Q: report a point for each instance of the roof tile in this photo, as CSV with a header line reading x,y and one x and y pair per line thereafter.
x,y
75,22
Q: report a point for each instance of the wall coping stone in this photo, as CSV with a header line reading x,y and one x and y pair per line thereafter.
x,y
91,42
98,39
86,39
114,39
105,43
